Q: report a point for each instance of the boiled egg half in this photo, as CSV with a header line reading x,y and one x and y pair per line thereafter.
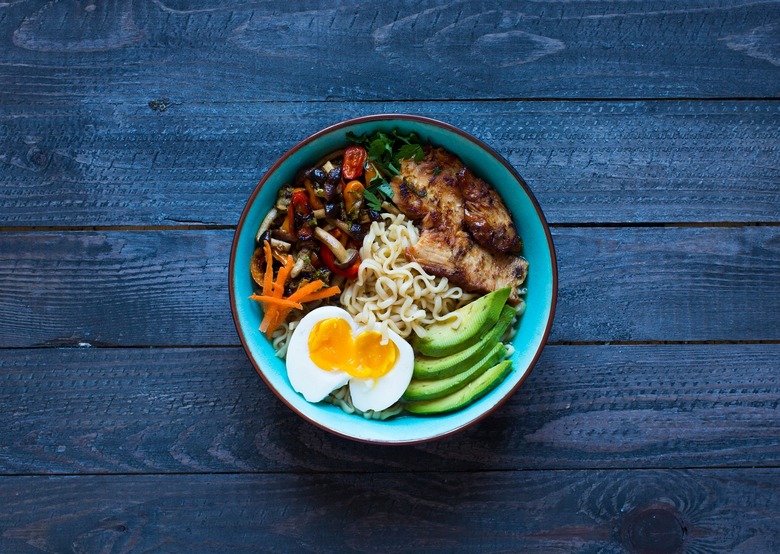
x,y
328,349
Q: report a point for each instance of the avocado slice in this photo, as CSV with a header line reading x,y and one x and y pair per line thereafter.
x,y
461,398
429,389
475,318
438,368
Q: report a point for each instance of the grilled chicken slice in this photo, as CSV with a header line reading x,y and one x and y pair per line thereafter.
x,y
439,192
467,232
486,216
427,191
467,264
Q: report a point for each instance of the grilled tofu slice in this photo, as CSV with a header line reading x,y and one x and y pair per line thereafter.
x,y
485,214
454,255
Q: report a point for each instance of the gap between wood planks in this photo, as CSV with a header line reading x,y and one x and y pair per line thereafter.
x,y
83,343
82,228
212,227
421,470
484,100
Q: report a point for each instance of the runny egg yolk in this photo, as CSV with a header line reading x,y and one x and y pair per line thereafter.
x,y
332,347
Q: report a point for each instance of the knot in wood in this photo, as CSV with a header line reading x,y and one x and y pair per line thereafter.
x,y
160,105
37,157
654,530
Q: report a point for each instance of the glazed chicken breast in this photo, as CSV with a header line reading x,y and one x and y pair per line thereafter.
x,y
467,234
427,191
467,264
486,216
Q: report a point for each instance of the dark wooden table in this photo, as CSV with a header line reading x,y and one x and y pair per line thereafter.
x,y
132,133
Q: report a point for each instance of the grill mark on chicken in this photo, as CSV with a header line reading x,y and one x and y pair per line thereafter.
x,y
486,216
427,191
467,234
467,264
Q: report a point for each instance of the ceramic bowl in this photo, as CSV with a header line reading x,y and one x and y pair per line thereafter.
x,y
538,250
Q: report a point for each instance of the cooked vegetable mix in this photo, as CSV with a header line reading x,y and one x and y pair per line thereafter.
x,y
308,242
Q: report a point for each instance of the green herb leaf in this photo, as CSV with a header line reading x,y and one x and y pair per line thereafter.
x,y
372,200
385,189
410,151
385,150
411,138
377,192
379,149
356,139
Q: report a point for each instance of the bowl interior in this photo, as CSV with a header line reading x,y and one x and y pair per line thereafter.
x,y
538,250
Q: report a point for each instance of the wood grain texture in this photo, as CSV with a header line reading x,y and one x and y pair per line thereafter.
x,y
564,511
131,420
122,51
658,283
122,287
81,164
81,411
169,288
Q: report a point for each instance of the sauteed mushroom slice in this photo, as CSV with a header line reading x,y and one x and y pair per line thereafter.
x,y
345,257
354,230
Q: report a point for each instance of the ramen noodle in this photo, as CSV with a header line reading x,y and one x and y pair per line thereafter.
x,y
390,290
394,292
341,398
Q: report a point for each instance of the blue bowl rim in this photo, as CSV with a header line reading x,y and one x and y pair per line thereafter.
x,y
428,121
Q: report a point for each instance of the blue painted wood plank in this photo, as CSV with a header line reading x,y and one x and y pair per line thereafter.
x,y
223,51
733,510
169,288
205,410
587,162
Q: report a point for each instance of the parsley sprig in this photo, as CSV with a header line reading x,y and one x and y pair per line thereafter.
x,y
385,151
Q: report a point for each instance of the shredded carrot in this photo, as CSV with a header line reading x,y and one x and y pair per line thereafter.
x,y
281,278
305,290
276,307
270,312
278,256
319,295
281,315
269,269
276,301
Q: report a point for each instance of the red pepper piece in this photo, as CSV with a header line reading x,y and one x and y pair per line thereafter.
x,y
354,158
329,260
302,214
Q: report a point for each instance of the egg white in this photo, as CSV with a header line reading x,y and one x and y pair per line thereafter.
x,y
379,394
315,383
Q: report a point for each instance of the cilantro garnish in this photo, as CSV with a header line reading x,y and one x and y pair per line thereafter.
x,y
378,191
372,200
385,151
410,151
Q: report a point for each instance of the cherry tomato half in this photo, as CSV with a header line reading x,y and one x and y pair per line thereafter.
x,y
354,158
